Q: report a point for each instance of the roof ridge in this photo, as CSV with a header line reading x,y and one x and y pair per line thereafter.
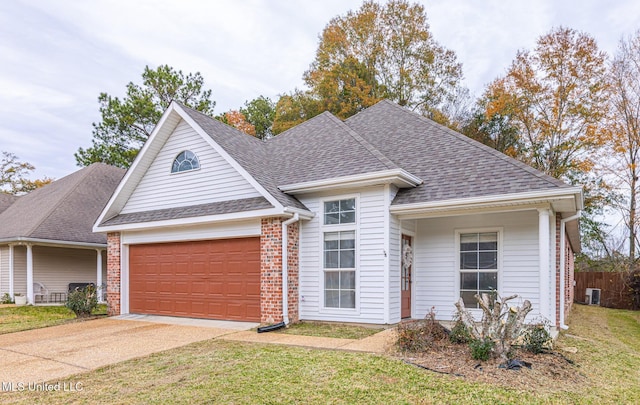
x,y
43,218
217,121
476,144
285,134
368,146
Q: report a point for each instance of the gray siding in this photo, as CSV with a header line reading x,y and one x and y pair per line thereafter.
x,y
4,270
20,270
57,267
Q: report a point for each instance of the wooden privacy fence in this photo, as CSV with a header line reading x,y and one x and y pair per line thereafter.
x,y
614,292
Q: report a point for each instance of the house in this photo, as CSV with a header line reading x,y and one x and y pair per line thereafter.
x,y
378,218
46,236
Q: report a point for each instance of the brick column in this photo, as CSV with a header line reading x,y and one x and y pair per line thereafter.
x,y
293,237
569,279
271,270
113,273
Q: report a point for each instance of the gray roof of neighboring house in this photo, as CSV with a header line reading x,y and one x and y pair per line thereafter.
x,y
451,165
64,210
6,200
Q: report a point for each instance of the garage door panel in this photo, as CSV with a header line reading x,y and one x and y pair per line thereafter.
x,y
205,279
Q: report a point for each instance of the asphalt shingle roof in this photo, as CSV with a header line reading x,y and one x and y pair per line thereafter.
x,y
248,151
321,148
64,210
221,207
382,137
6,200
451,165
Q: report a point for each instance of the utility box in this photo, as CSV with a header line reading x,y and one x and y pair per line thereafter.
x,y
593,296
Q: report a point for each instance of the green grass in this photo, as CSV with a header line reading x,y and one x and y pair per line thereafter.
x,y
16,319
218,371
333,330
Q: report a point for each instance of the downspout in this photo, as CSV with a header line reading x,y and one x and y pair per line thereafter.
x,y
563,264
285,267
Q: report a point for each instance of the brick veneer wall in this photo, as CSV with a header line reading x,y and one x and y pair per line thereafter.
x,y
564,270
271,270
113,273
293,235
569,279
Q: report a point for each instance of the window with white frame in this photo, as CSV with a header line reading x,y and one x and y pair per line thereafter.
x,y
185,161
339,248
478,265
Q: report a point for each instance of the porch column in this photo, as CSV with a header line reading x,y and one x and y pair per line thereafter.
x,y
543,244
30,274
99,275
11,255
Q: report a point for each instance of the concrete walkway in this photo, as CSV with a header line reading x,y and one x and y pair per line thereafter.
x,y
52,353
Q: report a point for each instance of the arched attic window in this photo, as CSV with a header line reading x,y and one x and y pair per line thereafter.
x,y
185,161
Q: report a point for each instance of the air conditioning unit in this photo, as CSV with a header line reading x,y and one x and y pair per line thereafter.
x,y
593,296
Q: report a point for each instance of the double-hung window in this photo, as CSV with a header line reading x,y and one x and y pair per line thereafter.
x,y
478,265
339,253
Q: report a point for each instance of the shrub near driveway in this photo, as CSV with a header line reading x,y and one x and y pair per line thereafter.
x,y
16,319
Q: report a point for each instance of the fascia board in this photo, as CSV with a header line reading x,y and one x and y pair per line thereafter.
x,y
398,177
208,219
495,201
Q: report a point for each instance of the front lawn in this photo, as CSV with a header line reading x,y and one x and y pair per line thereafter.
x,y
218,371
19,318
332,330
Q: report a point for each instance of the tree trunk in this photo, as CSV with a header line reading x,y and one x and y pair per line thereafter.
x,y
632,219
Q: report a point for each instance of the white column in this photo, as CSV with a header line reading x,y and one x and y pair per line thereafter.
x,y
30,274
543,244
99,275
11,258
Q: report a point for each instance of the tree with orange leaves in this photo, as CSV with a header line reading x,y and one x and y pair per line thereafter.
x,y
237,120
13,175
382,51
624,126
556,98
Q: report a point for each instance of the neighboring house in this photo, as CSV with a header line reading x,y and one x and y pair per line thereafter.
x,y
383,216
46,236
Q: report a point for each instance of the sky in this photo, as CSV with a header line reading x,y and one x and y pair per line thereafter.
x,y
57,56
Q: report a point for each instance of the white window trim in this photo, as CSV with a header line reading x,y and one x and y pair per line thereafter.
x,y
171,172
355,226
500,271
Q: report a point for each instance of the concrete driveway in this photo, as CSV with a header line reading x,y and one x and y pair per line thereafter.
x,y
56,352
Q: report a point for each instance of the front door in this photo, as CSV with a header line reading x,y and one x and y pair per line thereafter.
x,y
405,277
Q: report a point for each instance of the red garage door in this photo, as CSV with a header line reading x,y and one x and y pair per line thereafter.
x,y
216,279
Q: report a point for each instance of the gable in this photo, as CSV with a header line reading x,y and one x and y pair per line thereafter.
x,y
216,180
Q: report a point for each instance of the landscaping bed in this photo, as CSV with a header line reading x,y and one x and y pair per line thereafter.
x,y
551,371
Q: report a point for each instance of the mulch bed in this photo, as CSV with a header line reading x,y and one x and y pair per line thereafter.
x,y
549,371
